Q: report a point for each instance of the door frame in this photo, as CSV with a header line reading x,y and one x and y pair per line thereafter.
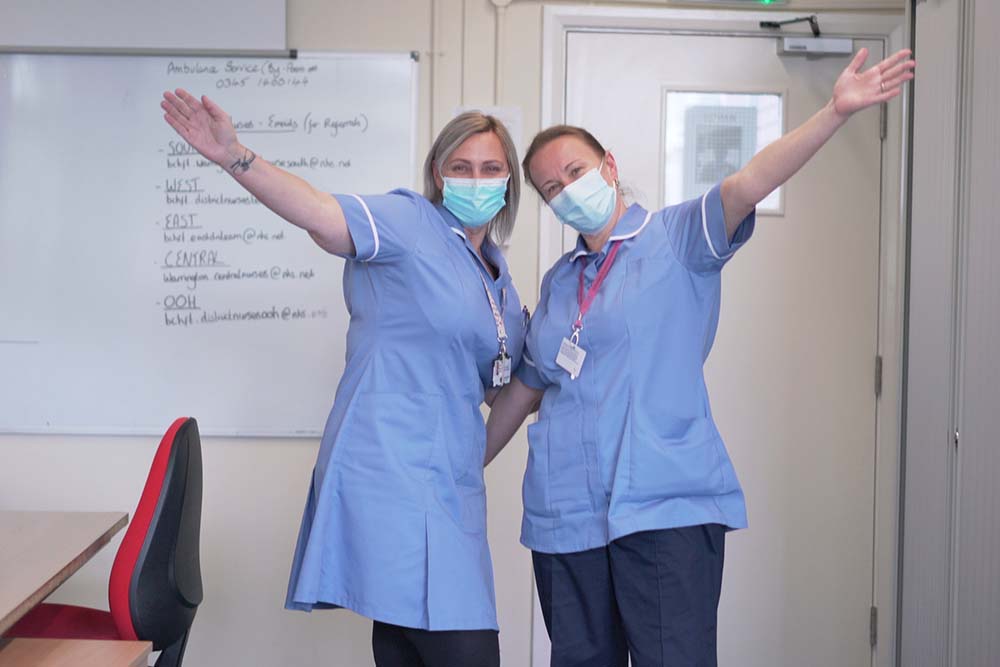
x,y
559,20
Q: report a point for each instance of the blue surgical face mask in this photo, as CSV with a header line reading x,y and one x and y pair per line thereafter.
x,y
474,201
587,203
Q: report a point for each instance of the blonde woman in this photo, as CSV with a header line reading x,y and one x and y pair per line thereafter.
x,y
395,522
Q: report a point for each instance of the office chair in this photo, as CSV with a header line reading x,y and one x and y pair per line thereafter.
x,y
155,583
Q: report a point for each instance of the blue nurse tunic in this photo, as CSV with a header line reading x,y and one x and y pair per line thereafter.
x,y
630,444
394,526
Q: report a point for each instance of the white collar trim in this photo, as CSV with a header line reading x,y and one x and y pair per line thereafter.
x,y
619,237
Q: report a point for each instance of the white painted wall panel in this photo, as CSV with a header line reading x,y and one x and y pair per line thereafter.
x,y
929,454
977,612
143,24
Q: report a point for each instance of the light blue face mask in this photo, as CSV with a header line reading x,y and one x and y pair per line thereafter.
x,y
474,201
587,203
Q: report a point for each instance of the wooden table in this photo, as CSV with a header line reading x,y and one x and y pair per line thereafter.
x,y
73,653
40,550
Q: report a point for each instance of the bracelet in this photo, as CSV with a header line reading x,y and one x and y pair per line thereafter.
x,y
242,165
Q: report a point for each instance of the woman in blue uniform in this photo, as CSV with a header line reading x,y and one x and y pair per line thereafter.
x,y
395,522
629,489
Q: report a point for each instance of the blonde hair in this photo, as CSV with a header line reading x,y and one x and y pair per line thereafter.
x,y
459,129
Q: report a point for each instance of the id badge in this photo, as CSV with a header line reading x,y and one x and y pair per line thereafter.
x,y
570,358
501,370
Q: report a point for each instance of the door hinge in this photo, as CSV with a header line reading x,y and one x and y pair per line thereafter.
x,y
956,439
883,123
878,376
873,627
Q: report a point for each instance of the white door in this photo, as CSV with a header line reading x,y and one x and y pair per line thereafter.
x,y
791,375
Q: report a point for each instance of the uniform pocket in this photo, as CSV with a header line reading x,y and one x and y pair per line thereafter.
x,y
674,457
535,490
385,434
456,480
473,513
557,479
464,438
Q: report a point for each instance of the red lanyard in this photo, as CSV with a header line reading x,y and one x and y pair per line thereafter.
x,y
586,301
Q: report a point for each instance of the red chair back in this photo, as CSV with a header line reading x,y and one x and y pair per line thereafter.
x,y
155,585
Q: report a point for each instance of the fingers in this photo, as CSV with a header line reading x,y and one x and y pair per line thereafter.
x,y
174,116
894,72
214,110
888,95
859,60
180,100
892,60
189,100
896,82
178,126
183,106
176,106
898,72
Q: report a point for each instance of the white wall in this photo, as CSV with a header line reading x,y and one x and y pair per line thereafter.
x,y
255,488
143,24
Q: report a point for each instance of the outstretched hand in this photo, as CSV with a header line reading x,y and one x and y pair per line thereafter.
x,y
856,90
203,124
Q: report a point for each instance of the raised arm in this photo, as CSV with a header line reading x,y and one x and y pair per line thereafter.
x,y
204,125
775,164
510,408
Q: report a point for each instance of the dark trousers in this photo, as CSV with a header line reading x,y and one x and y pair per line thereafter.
x,y
653,595
396,646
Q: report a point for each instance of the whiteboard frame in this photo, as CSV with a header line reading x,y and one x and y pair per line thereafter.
x,y
206,430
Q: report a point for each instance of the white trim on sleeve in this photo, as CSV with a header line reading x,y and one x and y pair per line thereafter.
x,y
704,227
371,221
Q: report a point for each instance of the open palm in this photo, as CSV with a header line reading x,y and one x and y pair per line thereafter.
x,y
856,90
201,123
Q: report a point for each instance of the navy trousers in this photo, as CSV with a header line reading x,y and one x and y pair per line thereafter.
x,y
652,595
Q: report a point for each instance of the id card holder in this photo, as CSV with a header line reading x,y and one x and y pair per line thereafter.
x,y
501,370
570,358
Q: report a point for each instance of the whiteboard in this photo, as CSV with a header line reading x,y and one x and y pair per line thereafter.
x,y
138,282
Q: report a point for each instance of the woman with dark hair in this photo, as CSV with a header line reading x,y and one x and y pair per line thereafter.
x,y
629,490
395,521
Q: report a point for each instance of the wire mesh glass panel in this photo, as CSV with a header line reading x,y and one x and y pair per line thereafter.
x,y
710,135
